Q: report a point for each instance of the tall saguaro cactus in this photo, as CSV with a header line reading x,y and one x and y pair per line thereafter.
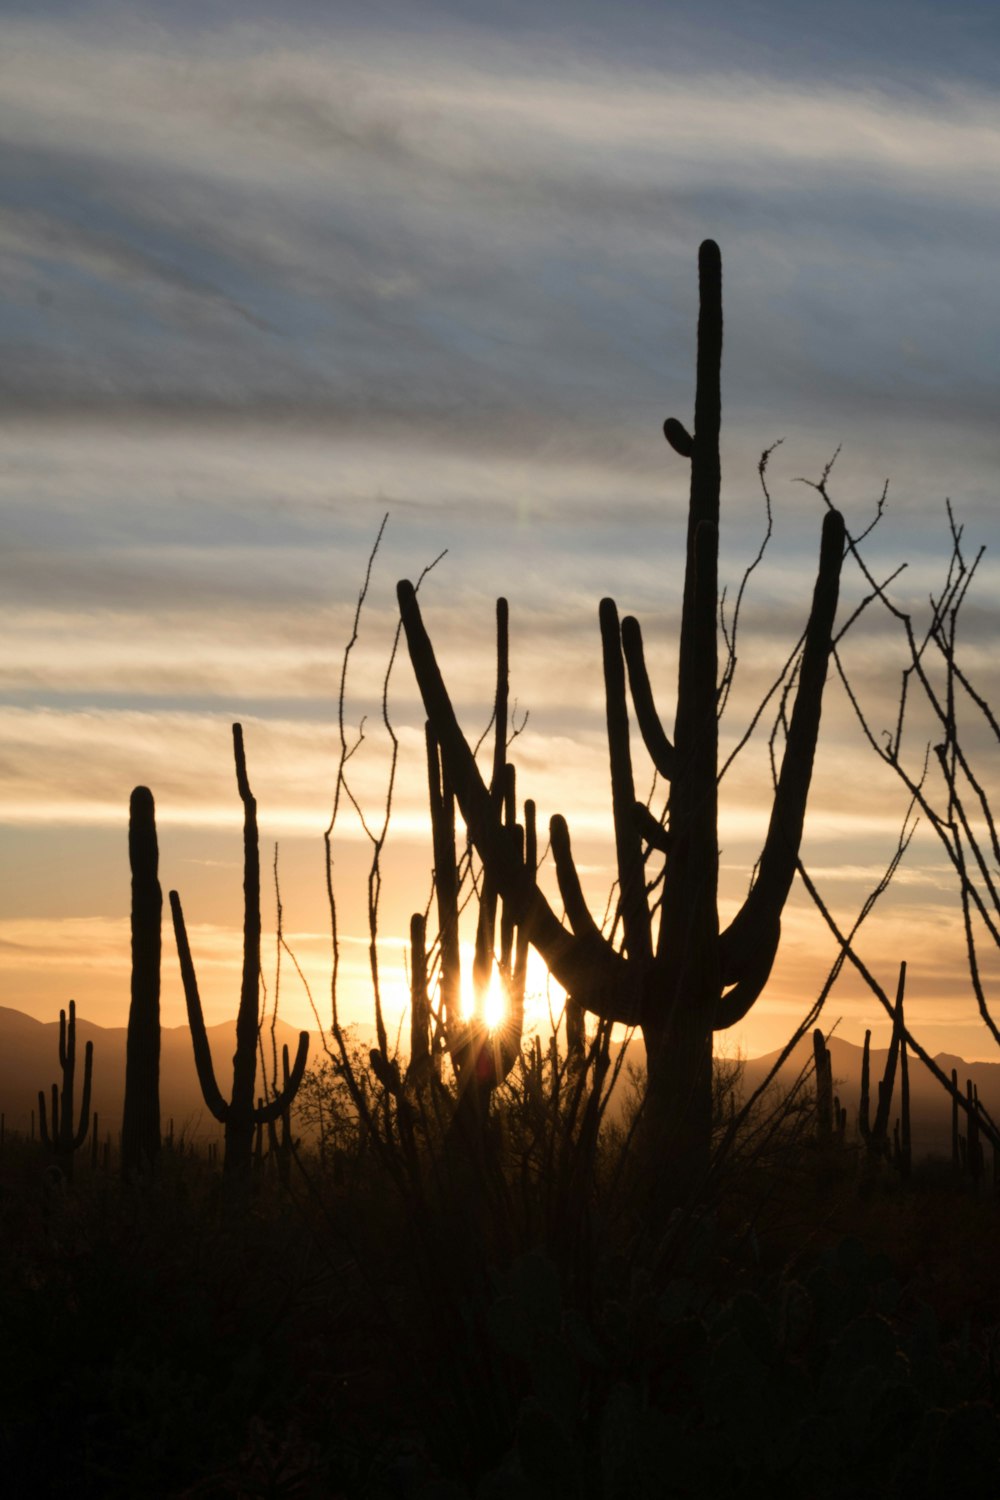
x,y
239,1114
684,979
63,1139
141,1113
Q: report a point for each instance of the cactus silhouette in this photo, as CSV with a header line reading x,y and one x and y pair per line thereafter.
x,y
62,1139
975,1159
687,979
824,1089
239,1114
280,1147
481,1056
875,1132
141,1112
864,1112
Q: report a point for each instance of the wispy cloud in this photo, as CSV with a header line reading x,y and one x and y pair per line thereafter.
x,y
266,279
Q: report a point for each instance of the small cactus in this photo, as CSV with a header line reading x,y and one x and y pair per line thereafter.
x,y
877,1137
864,1120
62,1140
238,1114
974,1156
280,1146
839,1119
824,1089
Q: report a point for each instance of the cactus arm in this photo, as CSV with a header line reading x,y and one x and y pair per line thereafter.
x,y
43,1124
196,1020
570,890
245,1059
264,1113
631,875
419,1004
650,829
513,963
88,1071
661,751
67,1057
744,994
515,831
678,437
442,808
500,705
751,938
482,966
880,1129
824,1085
598,977
521,949
906,1138
864,1123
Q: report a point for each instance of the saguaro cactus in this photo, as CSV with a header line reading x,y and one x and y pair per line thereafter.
x,y
824,1089
141,1114
687,979
864,1111
239,1114
280,1147
875,1133
481,1056
62,1140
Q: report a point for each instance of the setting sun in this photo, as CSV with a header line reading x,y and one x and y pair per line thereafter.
x,y
494,1010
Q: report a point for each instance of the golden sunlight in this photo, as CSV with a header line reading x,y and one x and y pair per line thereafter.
x,y
495,1002
493,1008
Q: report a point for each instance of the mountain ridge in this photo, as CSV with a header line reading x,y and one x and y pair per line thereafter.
x,y
29,1062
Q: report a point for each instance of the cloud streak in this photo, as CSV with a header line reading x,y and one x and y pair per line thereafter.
x,y
264,281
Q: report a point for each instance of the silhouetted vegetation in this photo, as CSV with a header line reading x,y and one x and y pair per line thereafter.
x,y
63,1138
683,980
503,1262
242,1113
141,1112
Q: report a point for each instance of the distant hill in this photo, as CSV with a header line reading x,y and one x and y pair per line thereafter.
x,y
29,1061
930,1106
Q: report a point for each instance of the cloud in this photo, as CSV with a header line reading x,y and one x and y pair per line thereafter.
x,y
265,282
392,225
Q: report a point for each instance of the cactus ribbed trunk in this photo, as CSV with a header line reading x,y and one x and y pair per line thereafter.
x,y
678,1101
141,1113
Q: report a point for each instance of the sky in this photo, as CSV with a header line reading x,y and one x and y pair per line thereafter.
x,y
271,273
